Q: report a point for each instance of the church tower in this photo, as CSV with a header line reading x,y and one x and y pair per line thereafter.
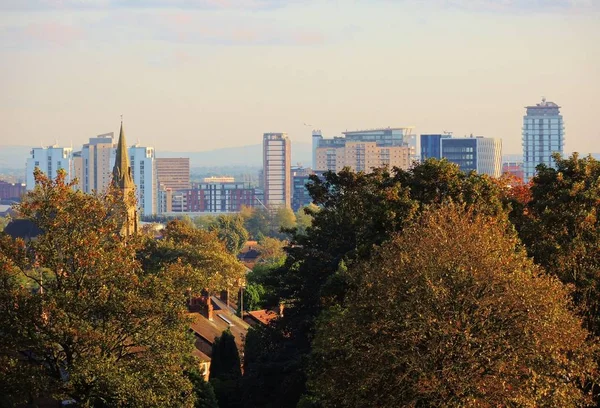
x,y
123,183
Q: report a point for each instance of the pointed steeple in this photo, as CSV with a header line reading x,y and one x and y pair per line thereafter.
x,y
122,170
123,181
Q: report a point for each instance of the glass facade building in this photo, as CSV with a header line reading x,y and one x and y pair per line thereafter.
x,y
543,135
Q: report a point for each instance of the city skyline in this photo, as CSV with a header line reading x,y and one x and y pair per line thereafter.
x,y
201,75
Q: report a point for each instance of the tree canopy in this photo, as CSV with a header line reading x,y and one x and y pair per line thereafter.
x,y
80,317
451,313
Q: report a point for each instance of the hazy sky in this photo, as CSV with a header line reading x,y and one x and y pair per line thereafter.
x,y
202,74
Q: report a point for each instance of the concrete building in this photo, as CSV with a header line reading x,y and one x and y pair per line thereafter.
x,y
480,154
98,159
277,154
543,135
363,150
173,173
300,195
77,170
12,191
215,197
143,169
49,160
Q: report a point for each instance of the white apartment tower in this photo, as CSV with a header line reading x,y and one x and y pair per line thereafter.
x,y
277,154
49,160
543,134
143,169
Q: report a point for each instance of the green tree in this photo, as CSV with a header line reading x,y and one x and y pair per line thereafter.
x,y
254,294
204,222
99,328
200,258
225,371
284,219
4,222
452,313
272,250
560,226
356,212
203,391
230,229
257,222
304,217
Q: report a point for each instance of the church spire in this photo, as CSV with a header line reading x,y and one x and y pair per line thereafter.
x,y
122,170
123,181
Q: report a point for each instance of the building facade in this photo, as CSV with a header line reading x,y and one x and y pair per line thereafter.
x,y
173,173
49,160
277,155
480,154
143,169
431,146
363,150
98,160
12,191
214,197
543,135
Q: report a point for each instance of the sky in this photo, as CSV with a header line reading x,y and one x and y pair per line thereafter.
x,y
195,75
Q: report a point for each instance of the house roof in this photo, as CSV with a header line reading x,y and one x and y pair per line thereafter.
x,y
222,320
22,228
262,316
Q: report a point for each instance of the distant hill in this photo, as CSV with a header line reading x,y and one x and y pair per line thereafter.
x,y
15,157
239,156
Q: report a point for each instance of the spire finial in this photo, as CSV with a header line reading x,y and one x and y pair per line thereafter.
x,y
121,118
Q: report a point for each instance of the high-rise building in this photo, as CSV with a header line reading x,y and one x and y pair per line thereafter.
x,y
277,154
98,159
143,170
543,135
300,196
216,197
480,154
431,146
363,150
122,179
173,173
49,160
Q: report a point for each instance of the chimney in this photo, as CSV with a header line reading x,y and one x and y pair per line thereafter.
x,y
201,304
281,306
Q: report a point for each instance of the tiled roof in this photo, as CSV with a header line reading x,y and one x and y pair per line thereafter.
x,y
262,316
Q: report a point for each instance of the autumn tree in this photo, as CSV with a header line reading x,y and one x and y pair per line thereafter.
x,y
89,323
561,228
225,371
230,229
200,258
355,212
452,313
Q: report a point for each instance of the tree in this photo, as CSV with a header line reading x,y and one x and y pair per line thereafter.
x,y
204,222
200,258
284,219
96,327
203,391
257,222
560,226
230,229
271,250
304,217
452,313
4,222
225,371
356,212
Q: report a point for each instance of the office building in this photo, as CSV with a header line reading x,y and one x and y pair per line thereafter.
x,y
143,170
431,146
49,160
543,135
363,150
173,173
514,168
480,154
277,153
300,196
214,197
77,170
98,159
